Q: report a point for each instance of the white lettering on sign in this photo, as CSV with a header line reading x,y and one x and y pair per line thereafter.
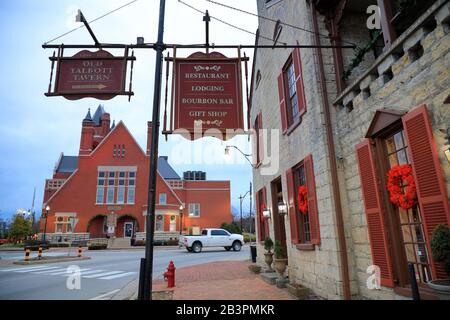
x,y
218,76
91,71
207,101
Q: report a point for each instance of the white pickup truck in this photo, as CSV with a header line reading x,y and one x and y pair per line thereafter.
x,y
212,238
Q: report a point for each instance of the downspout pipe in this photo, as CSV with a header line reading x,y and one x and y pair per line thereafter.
x,y
333,164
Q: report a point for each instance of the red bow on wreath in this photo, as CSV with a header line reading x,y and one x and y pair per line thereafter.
x,y
303,199
400,178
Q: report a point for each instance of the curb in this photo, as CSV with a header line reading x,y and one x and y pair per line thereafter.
x,y
45,261
128,291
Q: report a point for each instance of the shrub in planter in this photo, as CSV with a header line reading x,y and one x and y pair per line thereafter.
x,y
280,263
268,256
97,246
440,248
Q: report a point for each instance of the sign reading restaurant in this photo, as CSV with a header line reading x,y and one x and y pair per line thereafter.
x,y
208,93
90,74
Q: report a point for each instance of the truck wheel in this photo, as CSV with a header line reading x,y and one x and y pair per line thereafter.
x,y
237,246
189,249
228,248
197,247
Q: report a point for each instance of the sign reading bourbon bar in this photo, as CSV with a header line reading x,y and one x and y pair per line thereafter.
x,y
208,93
97,75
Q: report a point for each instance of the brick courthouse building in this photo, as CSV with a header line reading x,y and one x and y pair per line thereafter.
x,y
344,123
110,176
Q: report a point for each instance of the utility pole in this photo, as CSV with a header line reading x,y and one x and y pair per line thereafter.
x,y
250,212
145,288
240,203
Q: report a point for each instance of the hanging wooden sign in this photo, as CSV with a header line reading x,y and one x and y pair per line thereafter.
x,y
88,74
207,94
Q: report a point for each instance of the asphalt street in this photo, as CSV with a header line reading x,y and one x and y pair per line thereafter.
x,y
101,277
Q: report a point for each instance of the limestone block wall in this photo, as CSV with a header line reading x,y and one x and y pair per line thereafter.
x,y
317,269
417,79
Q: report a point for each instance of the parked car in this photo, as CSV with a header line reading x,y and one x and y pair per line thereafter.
x,y
3,241
212,238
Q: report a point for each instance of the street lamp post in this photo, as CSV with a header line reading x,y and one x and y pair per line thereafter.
x,y
47,209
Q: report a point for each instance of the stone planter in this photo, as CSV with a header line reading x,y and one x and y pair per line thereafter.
x,y
441,288
268,259
254,268
280,267
298,291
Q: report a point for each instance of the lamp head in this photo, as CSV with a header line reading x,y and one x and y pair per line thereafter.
x,y
47,208
266,213
282,208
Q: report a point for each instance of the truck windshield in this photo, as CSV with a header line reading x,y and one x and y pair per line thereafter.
x,y
204,232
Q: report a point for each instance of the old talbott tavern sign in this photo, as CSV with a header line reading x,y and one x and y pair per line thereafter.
x,y
88,74
208,93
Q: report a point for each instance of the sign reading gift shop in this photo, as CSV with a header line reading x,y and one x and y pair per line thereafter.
x,y
88,74
208,93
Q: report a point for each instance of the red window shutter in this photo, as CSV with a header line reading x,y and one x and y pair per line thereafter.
x,y
282,95
261,138
374,212
431,191
312,200
265,222
259,214
299,81
291,205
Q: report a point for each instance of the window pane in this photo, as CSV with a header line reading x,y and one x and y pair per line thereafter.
x,y
398,138
162,198
391,145
101,182
402,158
110,195
132,174
131,182
121,182
100,193
101,174
121,194
122,175
112,174
59,227
110,182
130,198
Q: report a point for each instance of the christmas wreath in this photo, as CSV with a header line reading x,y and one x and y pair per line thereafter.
x,y
303,199
402,186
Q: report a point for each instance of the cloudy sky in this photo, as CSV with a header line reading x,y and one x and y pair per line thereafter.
x,y
34,130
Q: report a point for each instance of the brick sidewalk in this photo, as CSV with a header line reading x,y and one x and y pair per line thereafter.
x,y
229,280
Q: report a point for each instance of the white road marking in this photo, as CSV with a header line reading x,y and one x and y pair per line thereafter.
x,y
65,272
101,274
101,297
47,271
92,271
41,269
117,276
24,268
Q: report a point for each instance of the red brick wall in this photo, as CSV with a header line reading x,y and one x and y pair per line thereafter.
x,y
78,195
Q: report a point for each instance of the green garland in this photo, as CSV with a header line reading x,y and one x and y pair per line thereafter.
x,y
360,53
402,6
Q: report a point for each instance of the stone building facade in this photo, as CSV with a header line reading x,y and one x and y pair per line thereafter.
x,y
338,136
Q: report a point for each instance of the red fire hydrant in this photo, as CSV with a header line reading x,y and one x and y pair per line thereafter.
x,y
169,275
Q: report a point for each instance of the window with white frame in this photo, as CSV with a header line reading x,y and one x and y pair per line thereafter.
x,y
118,186
194,209
131,187
162,198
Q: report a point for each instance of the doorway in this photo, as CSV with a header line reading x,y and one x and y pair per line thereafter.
x,y
278,220
128,229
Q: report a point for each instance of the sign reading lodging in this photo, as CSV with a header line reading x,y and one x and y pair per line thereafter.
x,y
91,74
208,93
